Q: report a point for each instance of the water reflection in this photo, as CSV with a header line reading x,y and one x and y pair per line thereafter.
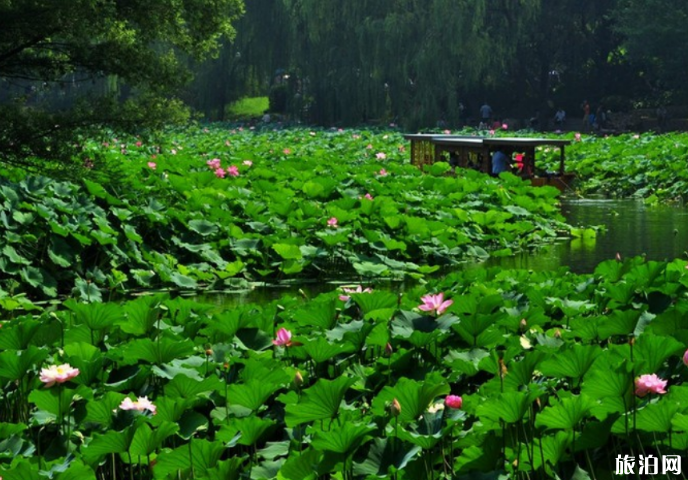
x,y
632,228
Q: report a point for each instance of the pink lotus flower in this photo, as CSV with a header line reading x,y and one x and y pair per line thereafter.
x,y
220,173
381,155
645,384
368,197
383,172
58,374
453,401
446,132
491,132
138,144
356,137
685,355
358,289
505,126
435,303
214,163
332,222
369,146
577,137
152,165
233,171
141,404
248,163
286,151
283,338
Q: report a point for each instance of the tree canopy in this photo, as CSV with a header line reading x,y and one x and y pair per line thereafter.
x,y
49,46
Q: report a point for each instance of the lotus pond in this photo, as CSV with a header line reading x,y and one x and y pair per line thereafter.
x,y
479,373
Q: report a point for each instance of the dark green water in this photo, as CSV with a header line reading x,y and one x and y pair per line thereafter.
x,y
632,228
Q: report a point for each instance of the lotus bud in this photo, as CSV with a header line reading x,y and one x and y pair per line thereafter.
x,y
557,333
388,350
685,358
502,368
225,366
395,408
523,324
298,379
209,352
631,341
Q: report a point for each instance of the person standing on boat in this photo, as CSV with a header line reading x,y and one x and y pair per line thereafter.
x,y
485,115
500,162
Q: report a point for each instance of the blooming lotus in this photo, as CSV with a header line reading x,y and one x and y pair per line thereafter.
x,y
233,171
491,132
577,137
380,155
505,126
283,338
435,303
358,289
138,144
58,374
368,196
332,222
286,151
453,401
220,173
645,384
214,163
141,404
152,165
383,172
248,163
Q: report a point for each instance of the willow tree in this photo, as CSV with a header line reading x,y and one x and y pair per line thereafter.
x,y
45,43
400,59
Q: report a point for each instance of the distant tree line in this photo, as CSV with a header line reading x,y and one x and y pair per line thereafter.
x,y
417,63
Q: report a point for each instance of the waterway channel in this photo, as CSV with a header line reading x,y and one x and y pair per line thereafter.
x,y
629,228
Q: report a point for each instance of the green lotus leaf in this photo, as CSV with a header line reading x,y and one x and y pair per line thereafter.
x,y
203,455
414,397
88,292
96,316
183,281
22,470
319,313
252,429
100,410
321,350
657,417
386,453
343,439
14,364
156,352
651,351
571,361
190,423
203,227
252,394
567,414
230,469
319,402
146,440
88,359
509,407
287,251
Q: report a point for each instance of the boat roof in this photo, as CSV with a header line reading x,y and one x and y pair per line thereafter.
x,y
471,140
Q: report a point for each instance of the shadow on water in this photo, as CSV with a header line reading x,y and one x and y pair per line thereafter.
x,y
631,228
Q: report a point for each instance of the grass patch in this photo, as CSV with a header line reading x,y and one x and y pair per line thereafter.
x,y
249,107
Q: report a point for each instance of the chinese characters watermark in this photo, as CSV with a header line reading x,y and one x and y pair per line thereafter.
x,y
648,465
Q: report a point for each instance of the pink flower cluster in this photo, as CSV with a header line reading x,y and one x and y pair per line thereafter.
x,y
333,222
141,404
58,374
220,172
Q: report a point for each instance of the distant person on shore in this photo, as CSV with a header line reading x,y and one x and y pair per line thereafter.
x,y
559,119
585,106
500,162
